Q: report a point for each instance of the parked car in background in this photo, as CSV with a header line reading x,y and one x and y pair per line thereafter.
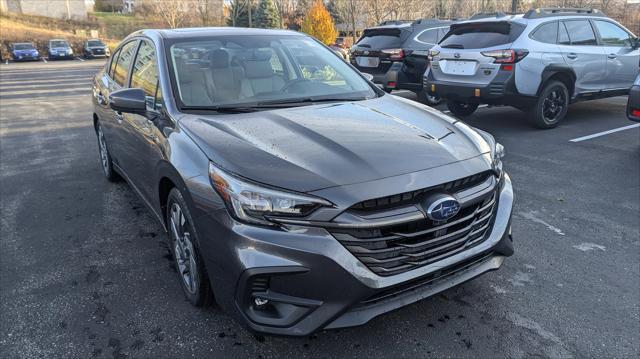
x,y
93,48
396,53
633,103
59,49
24,51
539,62
283,177
342,52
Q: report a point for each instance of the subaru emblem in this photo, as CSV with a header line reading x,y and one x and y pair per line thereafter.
x,y
443,208
456,55
366,53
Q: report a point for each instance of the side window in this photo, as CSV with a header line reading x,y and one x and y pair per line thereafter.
x,y
145,73
124,60
563,35
547,33
441,32
612,34
581,32
112,64
429,36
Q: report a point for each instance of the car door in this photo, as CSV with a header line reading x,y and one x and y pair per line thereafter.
x,y
145,137
581,52
102,87
116,131
622,58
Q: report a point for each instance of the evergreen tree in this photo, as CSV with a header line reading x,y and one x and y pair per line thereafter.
x,y
332,7
238,14
267,15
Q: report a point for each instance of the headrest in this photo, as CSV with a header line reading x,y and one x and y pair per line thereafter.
x,y
258,69
219,59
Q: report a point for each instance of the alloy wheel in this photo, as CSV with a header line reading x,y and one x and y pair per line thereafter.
x,y
183,248
553,105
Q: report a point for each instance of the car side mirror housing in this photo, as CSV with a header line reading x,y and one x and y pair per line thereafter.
x,y
367,76
635,43
130,100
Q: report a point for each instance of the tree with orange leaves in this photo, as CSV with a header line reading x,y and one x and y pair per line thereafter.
x,y
319,24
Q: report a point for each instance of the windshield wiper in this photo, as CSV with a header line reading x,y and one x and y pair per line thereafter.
x,y
453,46
306,100
266,105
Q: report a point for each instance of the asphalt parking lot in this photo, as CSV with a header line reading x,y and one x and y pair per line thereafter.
x,y
84,271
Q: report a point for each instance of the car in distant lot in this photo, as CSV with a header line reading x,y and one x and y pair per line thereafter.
x,y
395,53
283,176
24,51
93,48
59,49
633,103
539,62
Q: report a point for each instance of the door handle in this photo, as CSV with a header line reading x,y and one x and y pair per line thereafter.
x,y
572,55
119,116
612,56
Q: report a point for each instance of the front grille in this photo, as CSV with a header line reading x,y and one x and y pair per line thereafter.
x,y
427,280
394,248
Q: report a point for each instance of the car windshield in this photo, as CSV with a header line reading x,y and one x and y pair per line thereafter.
x,y
259,71
95,43
23,47
59,43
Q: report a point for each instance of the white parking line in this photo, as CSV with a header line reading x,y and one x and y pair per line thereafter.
x,y
584,138
6,62
79,59
45,60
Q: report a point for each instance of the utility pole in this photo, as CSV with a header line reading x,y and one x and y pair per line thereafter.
x,y
514,6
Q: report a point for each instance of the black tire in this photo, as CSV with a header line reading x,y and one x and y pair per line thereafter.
x,y
105,157
461,109
183,244
551,106
429,99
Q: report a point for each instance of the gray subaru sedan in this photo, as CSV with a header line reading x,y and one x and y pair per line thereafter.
x,y
294,191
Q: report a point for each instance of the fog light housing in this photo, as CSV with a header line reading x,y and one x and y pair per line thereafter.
x,y
260,302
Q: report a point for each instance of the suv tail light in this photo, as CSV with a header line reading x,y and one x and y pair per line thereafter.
x,y
394,54
506,56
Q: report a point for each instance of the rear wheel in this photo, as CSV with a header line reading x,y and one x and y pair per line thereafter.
x,y
429,99
184,247
551,106
105,156
461,109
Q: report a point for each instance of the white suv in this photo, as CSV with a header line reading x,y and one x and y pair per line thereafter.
x,y
539,62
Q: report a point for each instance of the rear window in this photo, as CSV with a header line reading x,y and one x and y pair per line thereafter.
x,y
382,38
481,35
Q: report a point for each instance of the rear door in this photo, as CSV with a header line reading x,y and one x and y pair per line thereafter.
x,y
622,59
460,58
579,46
378,48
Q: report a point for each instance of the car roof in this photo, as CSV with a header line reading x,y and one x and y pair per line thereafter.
x,y
418,24
209,31
65,40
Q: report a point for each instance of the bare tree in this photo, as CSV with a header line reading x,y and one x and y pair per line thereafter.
x,y
174,13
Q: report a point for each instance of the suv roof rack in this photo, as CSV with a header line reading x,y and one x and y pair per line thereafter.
x,y
395,22
487,15
548,12
430,21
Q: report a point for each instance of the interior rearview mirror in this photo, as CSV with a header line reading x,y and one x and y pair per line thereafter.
x,y
130,100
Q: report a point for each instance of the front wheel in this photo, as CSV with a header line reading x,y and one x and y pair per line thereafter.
x,y
184,247
461,109
551,106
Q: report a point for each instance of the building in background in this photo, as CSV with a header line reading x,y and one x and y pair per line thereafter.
x,y
61,9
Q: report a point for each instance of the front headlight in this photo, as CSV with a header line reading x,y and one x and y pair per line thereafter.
x,y
252,203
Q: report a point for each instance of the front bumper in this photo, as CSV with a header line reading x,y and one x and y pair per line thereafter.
x,y
60,56
313,282
25,57
633,103
500,91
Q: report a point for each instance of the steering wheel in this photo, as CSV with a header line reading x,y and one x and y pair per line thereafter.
x,y
293,82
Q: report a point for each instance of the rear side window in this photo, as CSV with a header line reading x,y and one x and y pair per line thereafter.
x,y
612,34
581,32
428,36
481,35
145,73
382,38
547,33
124,60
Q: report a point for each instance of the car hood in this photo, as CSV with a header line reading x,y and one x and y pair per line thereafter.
x,y
320,146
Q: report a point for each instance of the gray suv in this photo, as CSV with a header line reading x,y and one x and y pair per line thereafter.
x,y
539,62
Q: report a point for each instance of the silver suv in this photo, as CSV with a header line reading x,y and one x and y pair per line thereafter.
x,y
539,62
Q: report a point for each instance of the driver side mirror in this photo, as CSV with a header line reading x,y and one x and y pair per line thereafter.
x,y
635,43
130,100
